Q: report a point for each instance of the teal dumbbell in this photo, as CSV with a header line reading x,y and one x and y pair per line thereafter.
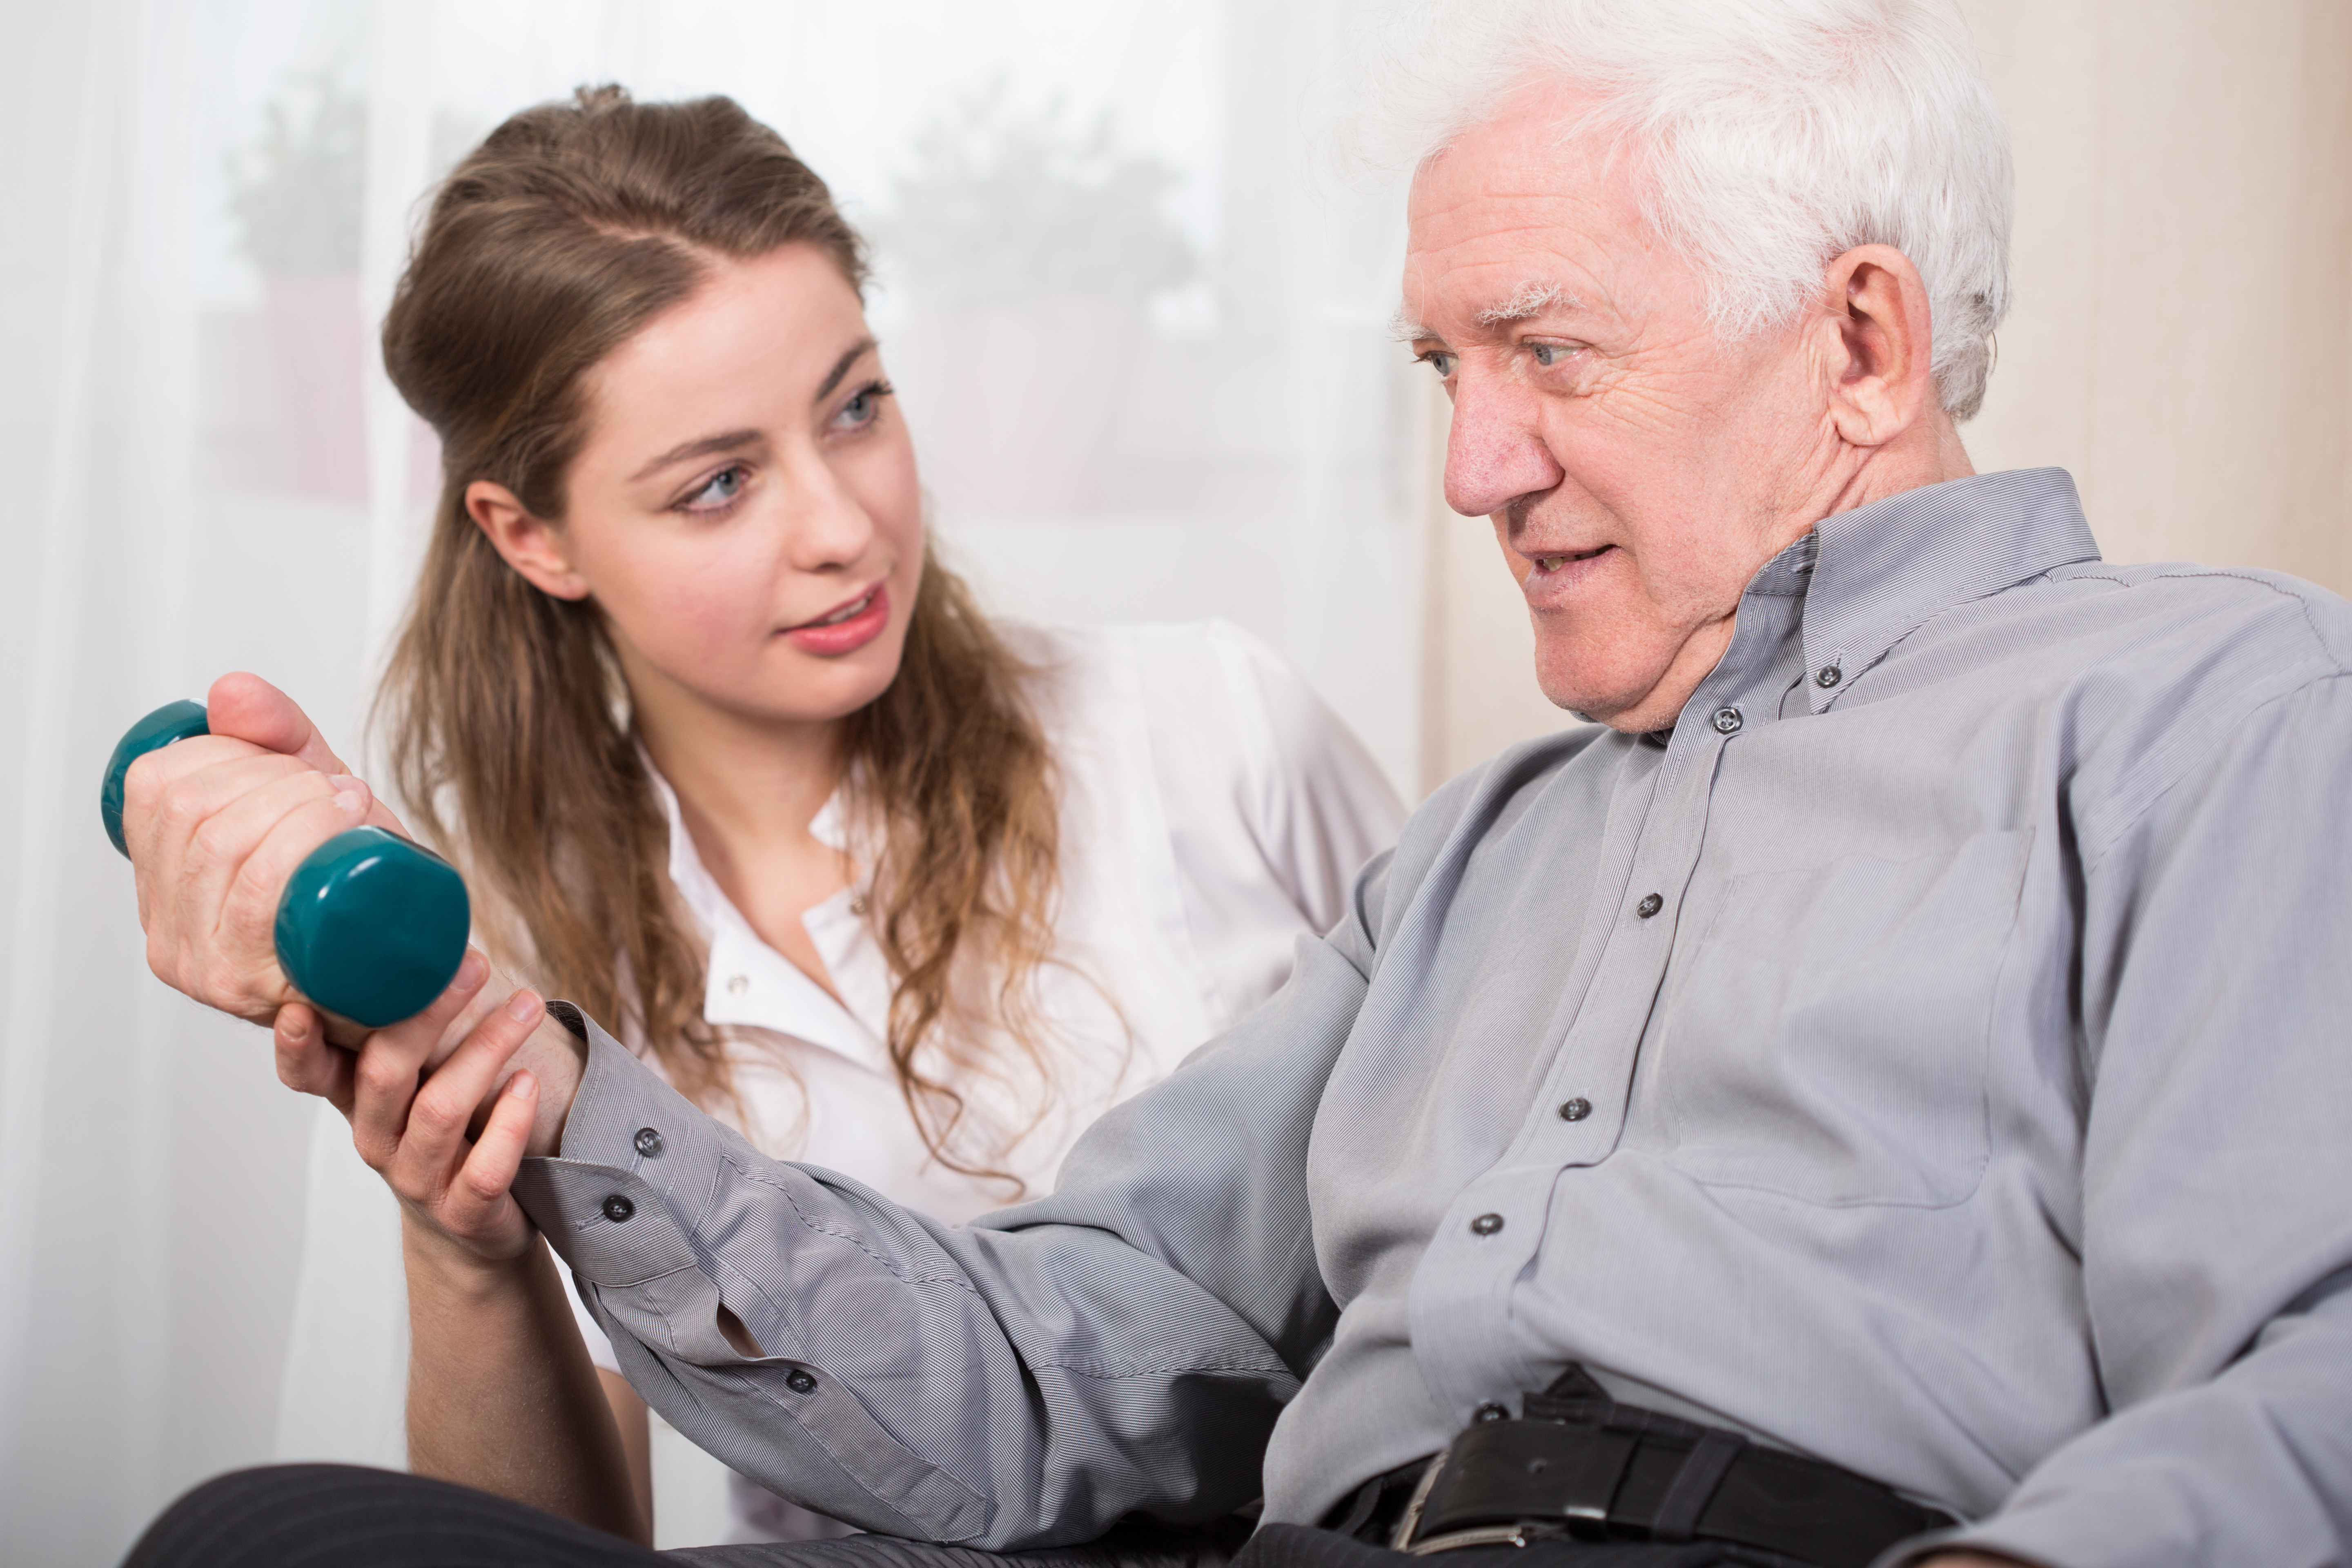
x,y
371,926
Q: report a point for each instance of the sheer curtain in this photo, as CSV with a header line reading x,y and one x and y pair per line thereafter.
x,y
1142,346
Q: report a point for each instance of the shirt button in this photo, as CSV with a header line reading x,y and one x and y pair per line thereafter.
x,y
738,983
1828,674
1486,1225
1490,1411
1575,1110
648,1142
1727,721
619,1209
800,1382
857,905
1651,904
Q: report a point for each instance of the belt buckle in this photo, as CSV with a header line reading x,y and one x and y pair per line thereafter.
x,y
1580,1508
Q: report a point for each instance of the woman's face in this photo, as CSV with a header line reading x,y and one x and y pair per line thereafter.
x,y
744,507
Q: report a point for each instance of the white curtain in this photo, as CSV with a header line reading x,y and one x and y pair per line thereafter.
x,y
1149,380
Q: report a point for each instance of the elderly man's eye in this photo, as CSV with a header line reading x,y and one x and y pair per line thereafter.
x,y
1550,354
1439,360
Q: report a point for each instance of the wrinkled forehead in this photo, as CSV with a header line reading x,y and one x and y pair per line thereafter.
x,y
1520,213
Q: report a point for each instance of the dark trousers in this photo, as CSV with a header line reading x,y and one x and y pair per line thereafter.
x,y
341,1516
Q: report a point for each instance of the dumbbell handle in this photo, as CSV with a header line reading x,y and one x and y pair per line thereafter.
x,y
370,927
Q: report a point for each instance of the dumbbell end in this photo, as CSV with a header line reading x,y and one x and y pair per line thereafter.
x,y
173,721
372,927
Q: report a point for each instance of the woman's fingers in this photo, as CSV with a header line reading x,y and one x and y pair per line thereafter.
x,y
480,1204
306,1062
385,1080
460,1185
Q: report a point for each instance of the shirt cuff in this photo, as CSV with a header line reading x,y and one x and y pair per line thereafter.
x,y
640,1177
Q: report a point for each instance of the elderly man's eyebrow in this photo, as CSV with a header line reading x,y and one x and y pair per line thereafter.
x,y
1532,299
1403,329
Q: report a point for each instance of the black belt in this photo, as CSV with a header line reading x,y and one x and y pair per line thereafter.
x,y
1580,1463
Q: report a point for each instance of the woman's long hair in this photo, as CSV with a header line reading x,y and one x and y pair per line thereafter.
x,y
568,230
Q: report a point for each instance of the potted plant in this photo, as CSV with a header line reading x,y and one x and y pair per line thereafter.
x,y
1027,248
295,195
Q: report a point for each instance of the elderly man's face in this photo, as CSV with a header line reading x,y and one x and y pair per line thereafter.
x,y
1637,470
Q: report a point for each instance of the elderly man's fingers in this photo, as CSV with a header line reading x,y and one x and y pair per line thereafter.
x,y
168,794
209,925
306,1062
249,709
218,943
386,1083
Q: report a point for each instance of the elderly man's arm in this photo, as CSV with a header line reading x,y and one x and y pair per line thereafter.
x,y
2215,1233
1121,1347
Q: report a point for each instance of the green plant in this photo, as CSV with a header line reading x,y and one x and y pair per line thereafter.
x,y
296,191
1003,207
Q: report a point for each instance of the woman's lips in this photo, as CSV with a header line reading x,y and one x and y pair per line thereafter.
x,y
860,622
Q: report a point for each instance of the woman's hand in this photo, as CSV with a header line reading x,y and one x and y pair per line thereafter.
x,y
431,1116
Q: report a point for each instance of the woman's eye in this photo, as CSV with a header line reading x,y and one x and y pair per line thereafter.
x,y
723,487
864,408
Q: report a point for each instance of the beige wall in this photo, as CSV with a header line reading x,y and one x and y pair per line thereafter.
x,y
2183,335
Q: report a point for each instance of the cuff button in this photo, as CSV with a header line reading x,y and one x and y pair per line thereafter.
x,y
618,1208
800,1382
648,1142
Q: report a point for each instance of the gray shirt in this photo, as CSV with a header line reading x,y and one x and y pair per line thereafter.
x,y
1930,1057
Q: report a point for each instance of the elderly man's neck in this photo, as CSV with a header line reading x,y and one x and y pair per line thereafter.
x,y
1928,452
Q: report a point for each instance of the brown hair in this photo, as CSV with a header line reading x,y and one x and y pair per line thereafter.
x,y
569,229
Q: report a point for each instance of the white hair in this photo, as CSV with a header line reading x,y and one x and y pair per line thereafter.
x,y
1775,134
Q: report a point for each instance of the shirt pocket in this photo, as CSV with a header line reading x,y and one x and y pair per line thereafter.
x,y
1829,1039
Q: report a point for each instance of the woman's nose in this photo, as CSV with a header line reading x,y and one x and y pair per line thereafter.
x,y
1495,452
825,526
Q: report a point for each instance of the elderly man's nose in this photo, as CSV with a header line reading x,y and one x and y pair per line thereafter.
x,y
1493,457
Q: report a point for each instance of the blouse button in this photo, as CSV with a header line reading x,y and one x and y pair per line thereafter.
x,y
738,983
857,905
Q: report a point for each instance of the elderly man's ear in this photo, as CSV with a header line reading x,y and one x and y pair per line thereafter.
x,y
1876,346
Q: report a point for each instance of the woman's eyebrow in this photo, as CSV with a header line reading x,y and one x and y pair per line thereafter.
x,y
695,448
850,356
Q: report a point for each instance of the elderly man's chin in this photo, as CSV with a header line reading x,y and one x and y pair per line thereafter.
x,y
1631,677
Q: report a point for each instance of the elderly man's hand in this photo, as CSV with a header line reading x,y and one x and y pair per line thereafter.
x,y
216,826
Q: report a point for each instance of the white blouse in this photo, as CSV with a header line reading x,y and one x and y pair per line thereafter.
x,y
1213,810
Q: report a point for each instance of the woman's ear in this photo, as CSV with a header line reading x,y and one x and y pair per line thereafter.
x,y
529,544
1879,345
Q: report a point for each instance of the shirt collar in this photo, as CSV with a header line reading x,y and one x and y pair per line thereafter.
x,y
1880,572
747,982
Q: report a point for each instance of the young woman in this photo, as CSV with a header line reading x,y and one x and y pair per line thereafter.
x,y
732,763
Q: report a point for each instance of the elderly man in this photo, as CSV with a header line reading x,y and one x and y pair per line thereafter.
x,y
1887,1072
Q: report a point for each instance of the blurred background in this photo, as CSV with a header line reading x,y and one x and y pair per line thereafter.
x,y
1141,340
